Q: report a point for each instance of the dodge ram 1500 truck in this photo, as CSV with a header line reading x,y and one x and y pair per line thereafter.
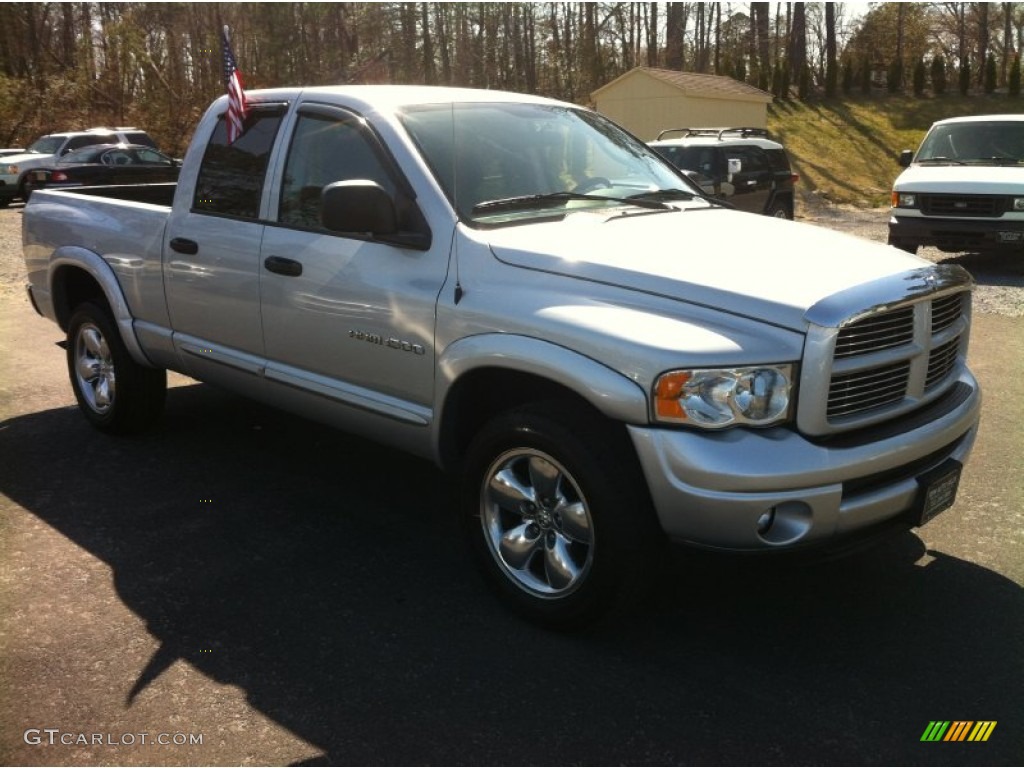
x,y
519,290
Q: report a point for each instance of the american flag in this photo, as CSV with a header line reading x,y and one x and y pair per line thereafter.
x,y
236,94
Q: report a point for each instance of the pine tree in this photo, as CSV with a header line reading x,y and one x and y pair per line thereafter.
x,y
939,75
965,77
894,77
919,77
990,74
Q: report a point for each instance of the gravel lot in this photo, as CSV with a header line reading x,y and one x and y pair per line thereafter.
x,y
1000,278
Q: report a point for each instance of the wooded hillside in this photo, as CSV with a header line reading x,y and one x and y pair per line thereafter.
x,y
157,65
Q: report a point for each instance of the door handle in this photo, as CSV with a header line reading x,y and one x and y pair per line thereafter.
x,y
282,266
181,245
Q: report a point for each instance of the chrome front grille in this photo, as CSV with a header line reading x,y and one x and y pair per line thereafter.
x,y
881,363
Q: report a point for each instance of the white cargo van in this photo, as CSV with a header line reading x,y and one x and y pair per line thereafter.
x,y
964,189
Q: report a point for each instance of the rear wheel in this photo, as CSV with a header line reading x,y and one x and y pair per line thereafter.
x,y
557,514
114,392
780,210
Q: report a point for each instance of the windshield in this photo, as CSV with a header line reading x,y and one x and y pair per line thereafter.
x,y
48,145
976,143
503,163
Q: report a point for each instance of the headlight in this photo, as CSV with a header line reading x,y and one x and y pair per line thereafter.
x,y
904,200
1018,203
723,397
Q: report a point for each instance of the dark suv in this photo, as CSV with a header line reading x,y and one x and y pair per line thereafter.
x,y
739,165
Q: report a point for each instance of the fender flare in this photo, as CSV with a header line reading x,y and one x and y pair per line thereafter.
x,y
608,391
100,271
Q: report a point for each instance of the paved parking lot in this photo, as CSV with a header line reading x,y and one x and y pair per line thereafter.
x,y
291,595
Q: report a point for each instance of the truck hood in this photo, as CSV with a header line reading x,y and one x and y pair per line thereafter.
x,y
963,179
753,266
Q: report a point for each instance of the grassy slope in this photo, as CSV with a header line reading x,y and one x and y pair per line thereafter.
x,y
847,149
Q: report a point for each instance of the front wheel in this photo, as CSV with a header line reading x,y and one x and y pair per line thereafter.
x,y
780,210
557,514
115,393
904,245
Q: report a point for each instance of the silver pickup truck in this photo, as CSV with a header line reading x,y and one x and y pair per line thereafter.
x,y
533,299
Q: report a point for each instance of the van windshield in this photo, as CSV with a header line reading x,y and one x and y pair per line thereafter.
x,y
503,163
974,143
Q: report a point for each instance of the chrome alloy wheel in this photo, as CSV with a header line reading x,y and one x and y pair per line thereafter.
x,y
94,368
537,523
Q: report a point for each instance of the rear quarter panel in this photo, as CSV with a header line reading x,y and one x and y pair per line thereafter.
x,y
60,227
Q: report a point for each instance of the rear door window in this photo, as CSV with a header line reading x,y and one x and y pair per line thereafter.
x,y
232,176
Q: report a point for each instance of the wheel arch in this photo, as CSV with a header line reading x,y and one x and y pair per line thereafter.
x,y
76,275
484,375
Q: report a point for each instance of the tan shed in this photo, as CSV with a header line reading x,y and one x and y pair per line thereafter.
x,y
646,101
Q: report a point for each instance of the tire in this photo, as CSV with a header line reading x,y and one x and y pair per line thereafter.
x,y
115,393
904,245
780,210
24,192
557,514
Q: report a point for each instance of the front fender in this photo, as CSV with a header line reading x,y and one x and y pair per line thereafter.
x,y
611,393
93,264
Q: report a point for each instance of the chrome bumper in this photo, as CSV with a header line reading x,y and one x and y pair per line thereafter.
x,y
720,489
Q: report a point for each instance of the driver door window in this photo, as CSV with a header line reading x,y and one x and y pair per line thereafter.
x,y
325,150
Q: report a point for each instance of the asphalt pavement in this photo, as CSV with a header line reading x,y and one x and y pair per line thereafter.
x,y
291,595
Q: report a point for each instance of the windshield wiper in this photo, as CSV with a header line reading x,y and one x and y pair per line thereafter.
x,y
554,198
941,159
1000,160
663,194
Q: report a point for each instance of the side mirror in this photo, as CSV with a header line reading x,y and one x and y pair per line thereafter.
x,y
906,157
359,205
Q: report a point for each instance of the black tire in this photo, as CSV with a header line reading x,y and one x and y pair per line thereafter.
x,y
24,192
557,514
115,393
904,245
780,210
4,202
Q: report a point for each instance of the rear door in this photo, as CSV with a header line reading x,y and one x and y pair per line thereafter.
x,y
212,257
753,184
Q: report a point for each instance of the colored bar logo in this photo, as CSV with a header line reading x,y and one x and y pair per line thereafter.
x,y
958,730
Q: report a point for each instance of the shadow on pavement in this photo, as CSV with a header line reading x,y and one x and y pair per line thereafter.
x,y
328,576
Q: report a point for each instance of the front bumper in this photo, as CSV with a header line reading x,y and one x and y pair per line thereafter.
x,y
955,235
714,489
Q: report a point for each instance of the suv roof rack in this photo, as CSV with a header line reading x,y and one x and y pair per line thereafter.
x,y
717,132
105,129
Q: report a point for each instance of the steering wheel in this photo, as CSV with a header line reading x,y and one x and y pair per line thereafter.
x,y
591,183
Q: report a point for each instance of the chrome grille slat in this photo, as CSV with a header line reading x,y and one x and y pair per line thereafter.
x,y
862,391
892,329
941,363
946,311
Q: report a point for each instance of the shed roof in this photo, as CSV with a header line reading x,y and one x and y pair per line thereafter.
x,y
696,84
